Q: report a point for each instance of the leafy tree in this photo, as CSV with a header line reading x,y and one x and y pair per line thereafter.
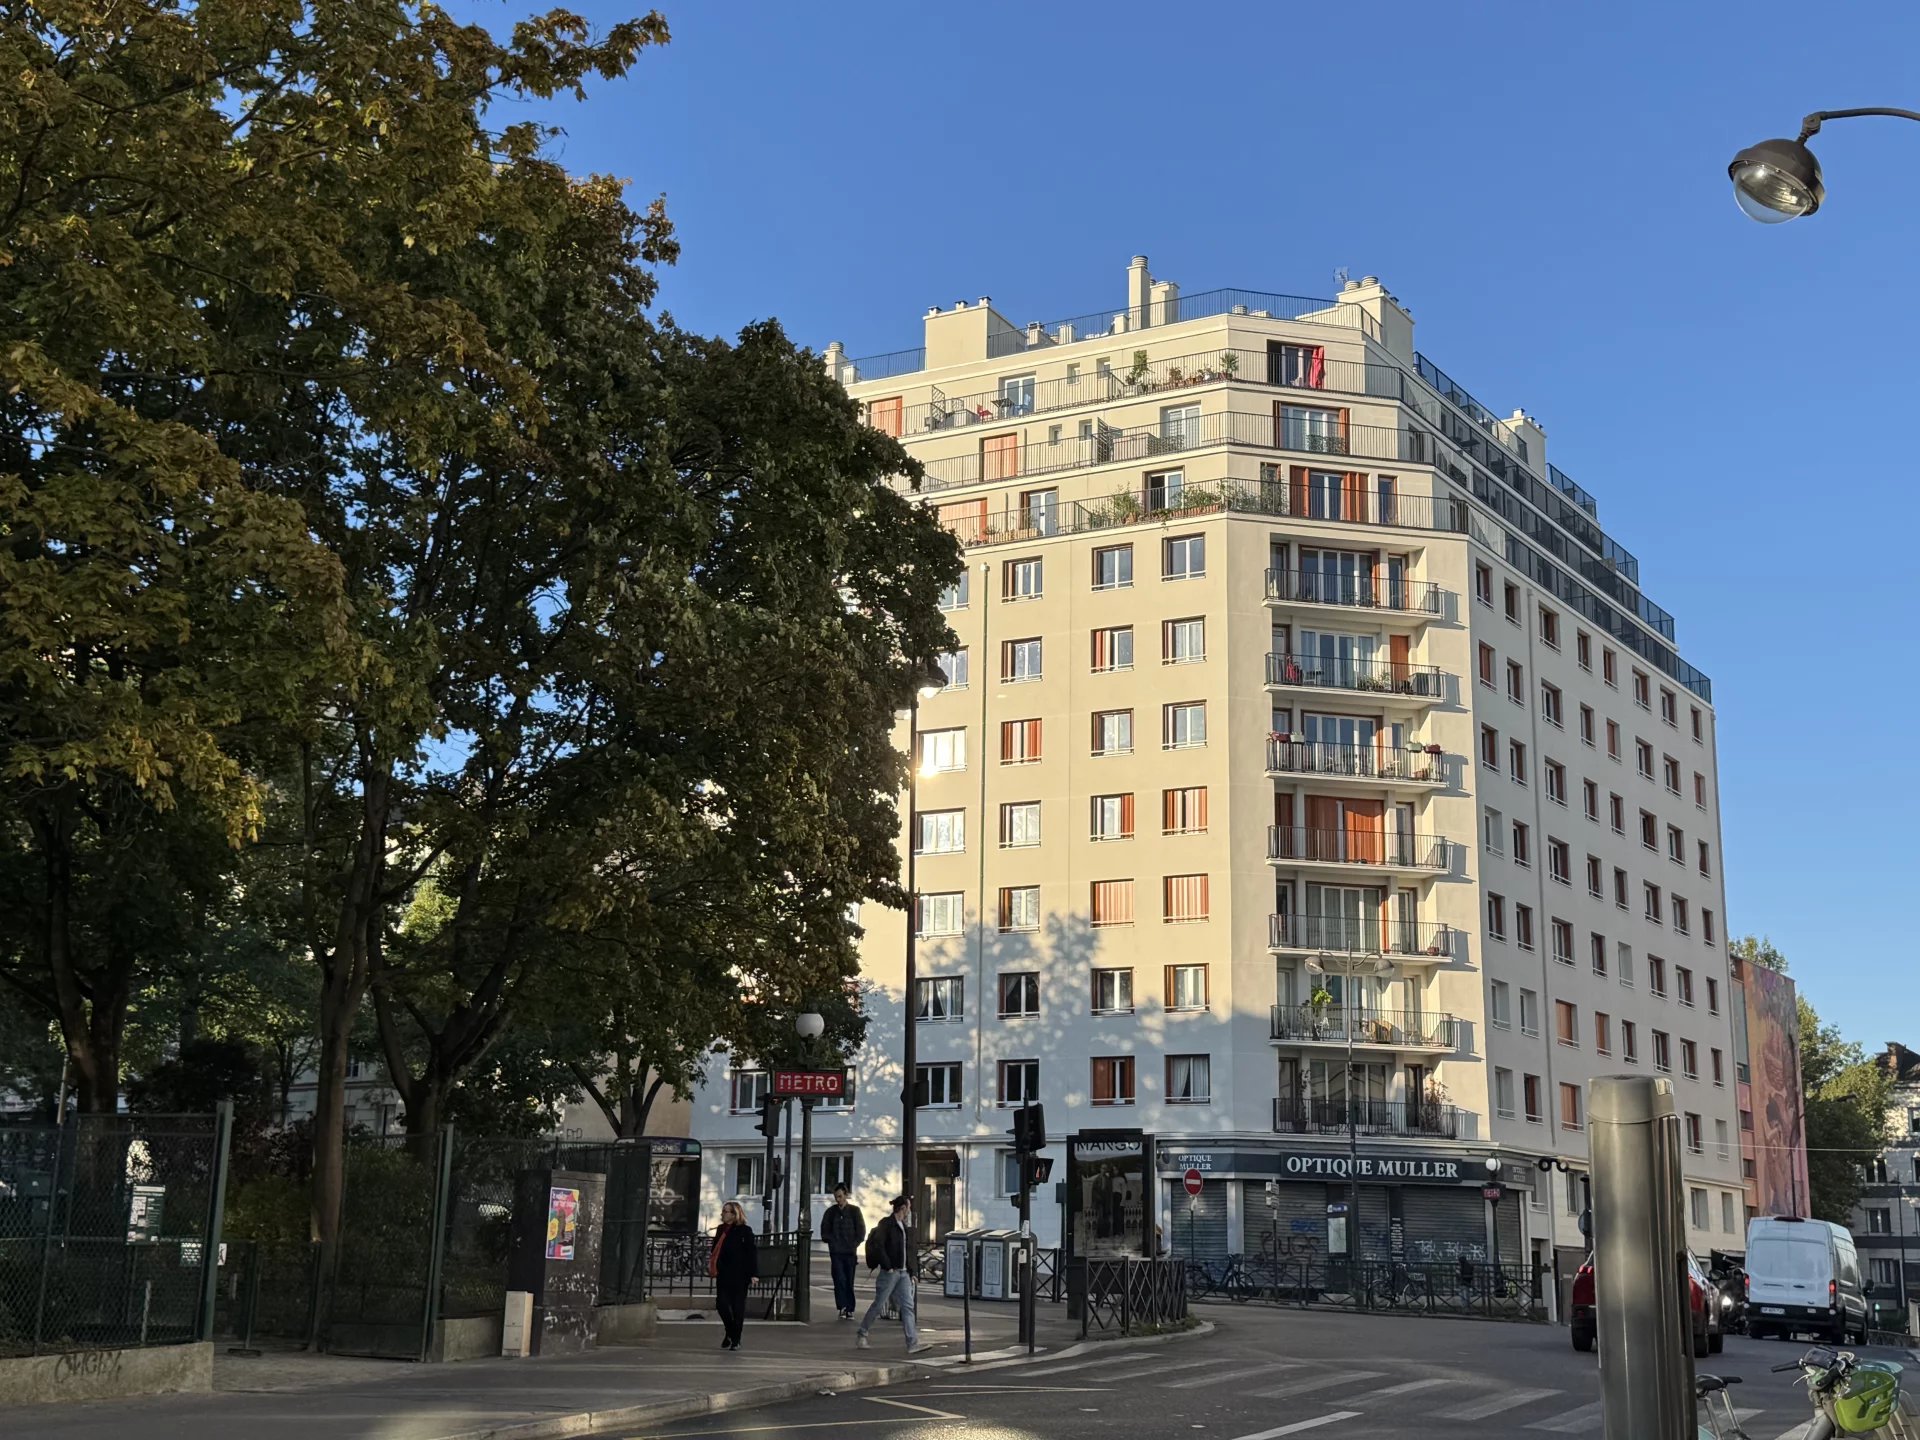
x,y
1759,950
1846,1099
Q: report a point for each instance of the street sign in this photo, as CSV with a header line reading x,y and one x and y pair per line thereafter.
x,y
821,1084
1491,1192
1195,1180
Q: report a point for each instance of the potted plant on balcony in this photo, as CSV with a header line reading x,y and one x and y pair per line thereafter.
x,y
1137,376
1230,363
1433,1107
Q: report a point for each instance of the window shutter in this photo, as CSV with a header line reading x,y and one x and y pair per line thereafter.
x,y
1169,809
885,415
1000,457
1198,819
1103,1080
1167,998
1126,815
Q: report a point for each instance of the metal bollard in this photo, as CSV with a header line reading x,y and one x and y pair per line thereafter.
x,y
1639,1261
966,1321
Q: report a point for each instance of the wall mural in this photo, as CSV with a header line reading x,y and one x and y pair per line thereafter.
x,y
1773,1042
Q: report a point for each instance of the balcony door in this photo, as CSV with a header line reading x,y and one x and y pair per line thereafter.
x,y
1336,577
1342,829
1333,658
1344,918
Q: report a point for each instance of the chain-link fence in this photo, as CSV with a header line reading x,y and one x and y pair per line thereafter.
x,y
103,1231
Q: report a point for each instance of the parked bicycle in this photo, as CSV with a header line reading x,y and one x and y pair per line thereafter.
x,y
1850,1396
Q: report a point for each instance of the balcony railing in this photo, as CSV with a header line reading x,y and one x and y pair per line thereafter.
x,y
1356,762
1311,587
1292,1116
1359,935
1327,1025
1360,848
1382,677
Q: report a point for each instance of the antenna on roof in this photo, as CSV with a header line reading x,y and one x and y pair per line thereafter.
x,y
1340,276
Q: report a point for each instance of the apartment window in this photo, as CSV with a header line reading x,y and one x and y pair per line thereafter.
x,y
1594,887
1886,1273
1529,1013
1019,995
1183,557
1184,811
1183,642
1019,908
1496,917
1516,682
1183,726
1880,1221
1690,1059
1706,862
1643,758
1680,914
1670,773
1113,992
1113,567
1620,887
1530,1089
1483,584
1698,730
1522,843
1590,800
1746,1120
1112,649
1683,984
1586,724
749,1089
1112,817
1113,1080
1559,861
1602,1032
1609,667
1613,739
1696,1205
1583,649
1184,898
1189,1079
1597,952
1566,1023
1019,661
1699,790
1662,1051
1490,747
832,1171
939,913
1706,926
1550,626
940,998
1552,706
748,1178
1642,692
1617,813
1569,1106
1713,996
1019,742
1630,1042
1111,902
1487,664
958,595
1695,1144
1503,1094
1020,579
941,832
1649,828
1186,987
1020,825
1652,893
942,750
1720,1138
1513,602
1517,762
1623,963
936,1086
1562,941
1112,732
1669,707
1676,845
953,665
1556,781
1499,1004
1656,975
1019,1082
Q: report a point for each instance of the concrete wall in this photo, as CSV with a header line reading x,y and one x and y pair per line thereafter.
x,y
106,1374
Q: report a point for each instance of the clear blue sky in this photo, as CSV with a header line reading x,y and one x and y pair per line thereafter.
x,y
1543,185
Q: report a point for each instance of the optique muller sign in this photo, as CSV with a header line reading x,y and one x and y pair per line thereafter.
x,y
1372,1167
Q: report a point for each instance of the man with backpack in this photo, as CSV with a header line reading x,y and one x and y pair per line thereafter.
x,y
843,1227
887,1256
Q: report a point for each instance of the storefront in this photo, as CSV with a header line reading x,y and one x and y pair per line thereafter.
x,y
1418,1207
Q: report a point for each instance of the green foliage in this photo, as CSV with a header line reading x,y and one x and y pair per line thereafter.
x,y
1758,950
272,1208
1846,1111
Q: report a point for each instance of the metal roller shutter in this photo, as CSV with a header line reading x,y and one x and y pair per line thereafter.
x,y
1295,1228
1199,1232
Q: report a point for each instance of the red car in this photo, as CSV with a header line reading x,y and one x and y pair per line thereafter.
x,y
1703,1301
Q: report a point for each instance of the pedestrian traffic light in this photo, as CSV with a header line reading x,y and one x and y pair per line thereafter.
x,y
769,1125
1029,1129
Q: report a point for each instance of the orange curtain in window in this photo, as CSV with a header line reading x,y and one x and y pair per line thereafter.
x,y
1101,656
885,415
966,520
1323,829
1000,456
1297,490
1103,1080
1126,814
1397,653
1365,822
1113,902
1354,506
1197,812
1283,810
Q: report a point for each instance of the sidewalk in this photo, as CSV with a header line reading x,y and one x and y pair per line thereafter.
x,y
295,1396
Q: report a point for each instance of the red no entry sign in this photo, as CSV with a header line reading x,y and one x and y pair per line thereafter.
x,y
1194,1181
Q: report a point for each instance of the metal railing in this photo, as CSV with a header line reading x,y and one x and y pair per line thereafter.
x,y
1296,1116
1364,848
1327,1025
1357,762
1380,677
1350,935
1461,1287
677,1265
1361,592
1128,1295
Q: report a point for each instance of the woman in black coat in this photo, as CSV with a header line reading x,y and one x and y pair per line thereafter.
x,y
734,1262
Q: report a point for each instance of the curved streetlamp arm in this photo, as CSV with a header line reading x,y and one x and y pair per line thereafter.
x,y
1811,125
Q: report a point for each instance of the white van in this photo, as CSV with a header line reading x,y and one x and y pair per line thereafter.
x,y
1804,1275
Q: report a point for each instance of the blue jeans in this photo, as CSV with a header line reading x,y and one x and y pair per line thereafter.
x,y
897,1286
843,1262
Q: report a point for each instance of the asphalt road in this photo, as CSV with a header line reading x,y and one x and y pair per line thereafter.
x,y
1264,1374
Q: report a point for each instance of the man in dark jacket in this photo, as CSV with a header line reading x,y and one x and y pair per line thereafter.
x,y
843,1227
887,1254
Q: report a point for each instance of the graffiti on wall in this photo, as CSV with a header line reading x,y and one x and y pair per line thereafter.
x,y
1773,1043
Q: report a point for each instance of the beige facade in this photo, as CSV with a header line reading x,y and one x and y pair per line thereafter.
x,y
1386,690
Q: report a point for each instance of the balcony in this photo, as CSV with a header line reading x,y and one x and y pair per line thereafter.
x,y
1420,1120
1368,849
1403,940
1419,768
1379,1029
1400,604
1395,683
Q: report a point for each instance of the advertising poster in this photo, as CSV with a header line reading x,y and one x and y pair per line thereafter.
x,y
1109,1193
563,1216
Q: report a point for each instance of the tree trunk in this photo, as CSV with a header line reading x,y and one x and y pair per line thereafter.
x,y
93,1059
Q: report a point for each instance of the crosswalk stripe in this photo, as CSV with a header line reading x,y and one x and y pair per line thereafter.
x,y
1221,1377
1508,1400
1320,1382
1572,1422
1406,1387
1183,1365
1079,1365
1297,1426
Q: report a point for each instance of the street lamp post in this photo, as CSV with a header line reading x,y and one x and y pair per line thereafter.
x,y
809,1026
931,684
1492,1192
1780,179
1351,968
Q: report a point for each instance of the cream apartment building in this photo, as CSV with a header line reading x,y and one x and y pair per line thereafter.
x,y
1296,696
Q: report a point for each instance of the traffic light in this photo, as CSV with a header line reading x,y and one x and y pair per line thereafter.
x,y
1029,1129
769,1125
